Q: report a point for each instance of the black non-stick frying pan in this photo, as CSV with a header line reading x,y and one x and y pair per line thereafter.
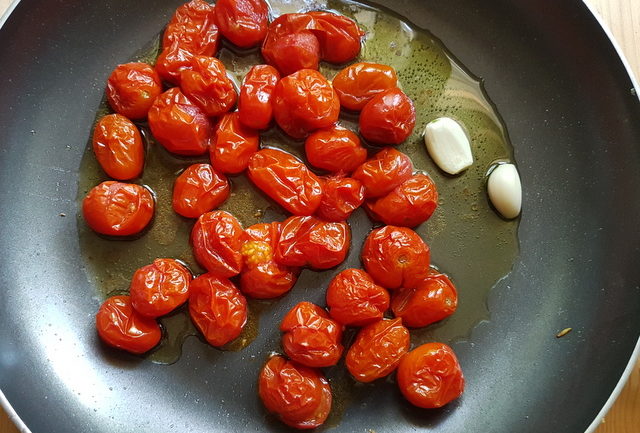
x,y
574,119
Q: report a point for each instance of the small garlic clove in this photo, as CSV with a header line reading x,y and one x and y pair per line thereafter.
x,y
505,190
448,145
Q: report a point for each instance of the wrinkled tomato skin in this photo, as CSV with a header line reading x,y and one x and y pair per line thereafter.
x,y
384,172
118,147
256,93
300,396
377,350
286,180
216,239
430,376
354,299
396,257
233,145
342,195
120,326
206,84
261,276
339,36
388,118
410,204
193,28
308,241
172,61
335,149
289,46
357,84
304,102
179,125
132,88
311,337
118,209
159,288
433,299
243,22
217,308
199,189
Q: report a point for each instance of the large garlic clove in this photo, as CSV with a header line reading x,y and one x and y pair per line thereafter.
x,y
505,190
448,145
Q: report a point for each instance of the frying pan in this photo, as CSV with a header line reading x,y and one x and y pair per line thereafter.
x,y
567,101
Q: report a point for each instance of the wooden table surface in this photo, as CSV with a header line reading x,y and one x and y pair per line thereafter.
x,y
623,18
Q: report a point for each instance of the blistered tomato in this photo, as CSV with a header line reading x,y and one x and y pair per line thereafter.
x,y
178,124
377,350
342,195
308,241
118,147
206,84
132,88
310,336
303,102
358,83
335,149
159,288
388,118
243,22
430,301
193,28
119,325
354,299
286,180
384,172
409,204
300,396
216,239
396,257
289,44
430,376
339,36
172,61
233,145
255,103
118,209
261,276
217,308
199,189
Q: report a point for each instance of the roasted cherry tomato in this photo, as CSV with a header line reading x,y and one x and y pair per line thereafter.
x,y
217,238
308,241
384,172
354,299
233,145
300,396
193,28
159,288
255,102
410,204
388,118
303,102
335,149
217,308
338,35
261,276
377,350
206,84
342,195
119,325
430,301
178,124
396,257
118,209
358,83
118,147
199,189
311,337
243,22
290,46
132,88
172,61
430,376
286,180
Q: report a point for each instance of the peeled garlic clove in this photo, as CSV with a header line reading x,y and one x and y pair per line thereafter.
x,y
505,190
448,145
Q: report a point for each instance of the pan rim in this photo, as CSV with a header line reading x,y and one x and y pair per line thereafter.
x,y
635,355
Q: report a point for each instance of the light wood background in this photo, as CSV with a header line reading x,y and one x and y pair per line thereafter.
x,y
623,18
